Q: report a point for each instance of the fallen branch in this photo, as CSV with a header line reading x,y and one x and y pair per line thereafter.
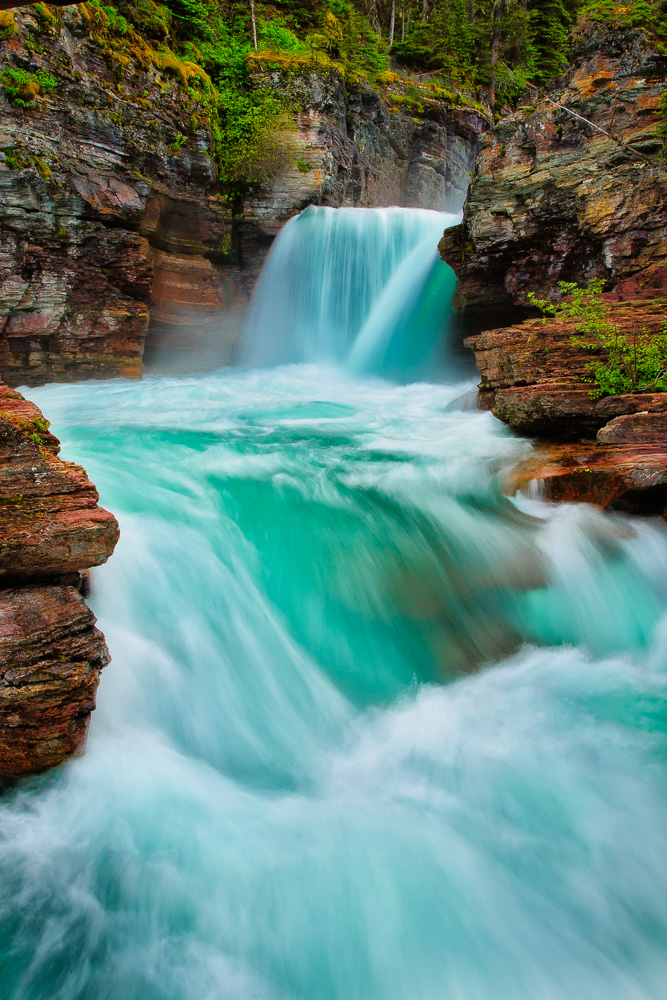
x,y
614,138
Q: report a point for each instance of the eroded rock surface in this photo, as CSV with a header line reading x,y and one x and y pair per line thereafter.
x,y
51,654
555,199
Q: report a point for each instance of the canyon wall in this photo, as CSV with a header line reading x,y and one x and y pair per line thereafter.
x,y
556,198
51,654
112,230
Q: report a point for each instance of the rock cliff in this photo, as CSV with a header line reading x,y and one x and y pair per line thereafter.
x,y
553,198
51,654
112,231
557,198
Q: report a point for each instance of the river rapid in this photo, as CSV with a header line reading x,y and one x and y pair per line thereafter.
x,y
371,730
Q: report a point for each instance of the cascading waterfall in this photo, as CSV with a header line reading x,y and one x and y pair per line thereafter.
x,y
358,285
372,730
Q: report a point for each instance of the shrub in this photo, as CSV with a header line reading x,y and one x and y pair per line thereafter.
x,y
634,362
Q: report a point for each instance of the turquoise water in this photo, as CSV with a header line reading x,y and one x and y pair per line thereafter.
x,y
371,731
364,287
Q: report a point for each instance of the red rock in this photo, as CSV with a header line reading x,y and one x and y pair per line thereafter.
x,y
51,529
627,478
51,655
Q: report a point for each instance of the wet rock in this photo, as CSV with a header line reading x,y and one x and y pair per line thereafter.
x,y
51,655
51,531
631,478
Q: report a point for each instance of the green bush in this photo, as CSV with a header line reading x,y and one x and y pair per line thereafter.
x,y
633,363
274,35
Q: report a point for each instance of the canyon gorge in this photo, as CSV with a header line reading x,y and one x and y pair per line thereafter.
x,y
332,571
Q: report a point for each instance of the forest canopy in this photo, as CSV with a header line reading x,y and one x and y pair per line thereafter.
x,y
467,50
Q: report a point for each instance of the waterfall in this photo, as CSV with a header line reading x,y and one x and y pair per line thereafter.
x,y
353,285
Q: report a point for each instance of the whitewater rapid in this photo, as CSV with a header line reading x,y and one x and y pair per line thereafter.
x,y
371,730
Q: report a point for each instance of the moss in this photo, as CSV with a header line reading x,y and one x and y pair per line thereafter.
x,y
7,24
46,18
408,102
177,144
387,79
21,87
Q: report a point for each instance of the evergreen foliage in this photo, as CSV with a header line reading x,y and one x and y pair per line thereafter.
x,y
465,49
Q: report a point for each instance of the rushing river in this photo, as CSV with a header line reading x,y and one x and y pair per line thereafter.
x,y
372,731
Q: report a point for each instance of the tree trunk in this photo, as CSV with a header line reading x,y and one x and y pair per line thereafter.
x,y
495,47
424,9
403,22
254,23
392,23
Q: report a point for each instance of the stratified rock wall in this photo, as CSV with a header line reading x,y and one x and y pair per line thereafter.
x,y
112,233
555,199
353,147
51,654
91,189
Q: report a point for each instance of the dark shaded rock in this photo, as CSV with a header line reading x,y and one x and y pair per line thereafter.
x,y
555,199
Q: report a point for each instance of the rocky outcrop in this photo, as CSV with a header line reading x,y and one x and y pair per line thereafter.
x,y
113,236
51,654
612,451
554,198
94,190
538,381
557,199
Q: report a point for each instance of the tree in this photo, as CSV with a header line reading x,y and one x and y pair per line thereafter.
x,y
254,23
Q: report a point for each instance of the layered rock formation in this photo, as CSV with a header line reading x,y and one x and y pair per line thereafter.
x,y
360,146
554,198
111,228
51,654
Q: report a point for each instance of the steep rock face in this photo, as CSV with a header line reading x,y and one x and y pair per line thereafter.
x,y
112,234
355,146
51,529
555,199
91,189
